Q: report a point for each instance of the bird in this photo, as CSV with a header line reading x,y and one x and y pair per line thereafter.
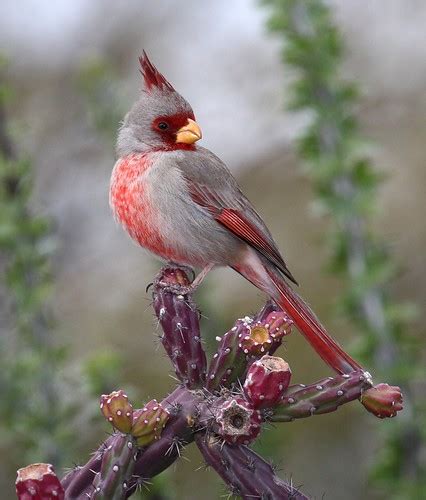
x,y
179,201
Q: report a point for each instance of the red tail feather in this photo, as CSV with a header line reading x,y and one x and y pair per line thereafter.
x,y
311,328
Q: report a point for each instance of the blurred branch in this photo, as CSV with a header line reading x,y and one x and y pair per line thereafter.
x,y
346,185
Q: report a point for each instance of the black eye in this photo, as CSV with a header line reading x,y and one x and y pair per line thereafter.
x,y
163,126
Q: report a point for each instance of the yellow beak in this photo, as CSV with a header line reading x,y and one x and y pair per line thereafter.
x,y
189,133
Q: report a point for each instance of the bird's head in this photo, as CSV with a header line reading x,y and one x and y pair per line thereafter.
x,y
161,119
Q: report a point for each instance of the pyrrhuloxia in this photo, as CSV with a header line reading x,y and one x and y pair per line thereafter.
x,y
181,202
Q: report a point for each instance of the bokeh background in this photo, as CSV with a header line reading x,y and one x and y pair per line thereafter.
x,y
72,71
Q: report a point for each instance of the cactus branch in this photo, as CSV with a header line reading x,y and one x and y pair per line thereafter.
x,y
325,396
182,405
179,319
245,473
248,340
221,420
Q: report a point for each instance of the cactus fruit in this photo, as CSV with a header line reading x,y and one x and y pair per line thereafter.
x,y
325,396
249,339
266,381
382,400
236,421
117,410
264,336
149,422
179,319
38,482
118,463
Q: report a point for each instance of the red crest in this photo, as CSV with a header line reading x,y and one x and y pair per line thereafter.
x,y
151,75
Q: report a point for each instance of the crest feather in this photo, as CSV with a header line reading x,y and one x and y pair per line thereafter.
x,y
151,75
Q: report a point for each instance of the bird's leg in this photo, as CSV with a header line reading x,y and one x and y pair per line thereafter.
x,y
196,282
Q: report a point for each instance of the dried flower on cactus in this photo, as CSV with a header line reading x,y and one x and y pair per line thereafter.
x,y
266,382
383,400
236,421
117,410
38,482
262,336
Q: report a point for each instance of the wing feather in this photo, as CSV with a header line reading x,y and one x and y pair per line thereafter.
x,y
235,220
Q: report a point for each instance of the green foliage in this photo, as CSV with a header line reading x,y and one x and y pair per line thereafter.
x,y
98,83
31,407
37,400
346,185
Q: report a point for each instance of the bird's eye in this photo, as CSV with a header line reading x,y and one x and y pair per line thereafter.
x,y
163,126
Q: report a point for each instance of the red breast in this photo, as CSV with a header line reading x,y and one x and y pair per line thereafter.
x,y
130,199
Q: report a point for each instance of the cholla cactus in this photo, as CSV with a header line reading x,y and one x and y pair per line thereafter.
x,y
117,410
267,381
221,408
236,421
149,422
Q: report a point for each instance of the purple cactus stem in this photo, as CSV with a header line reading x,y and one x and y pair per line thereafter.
x,y
266,382
324,396
236,421
246,474
179,319
118,462
38,482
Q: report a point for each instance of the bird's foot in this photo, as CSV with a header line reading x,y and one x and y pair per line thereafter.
x,y
175,279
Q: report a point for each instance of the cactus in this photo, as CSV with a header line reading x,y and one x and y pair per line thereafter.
x,y
117,410
140,428
179,318
382,400
325,396
246,474
249,339
118,463
221,421
266,382
236,421
38,482
149,422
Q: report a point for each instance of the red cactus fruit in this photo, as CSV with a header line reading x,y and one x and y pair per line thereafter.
x,y
117,410
38,482
382,400
263,335
149,422
236,421
266,382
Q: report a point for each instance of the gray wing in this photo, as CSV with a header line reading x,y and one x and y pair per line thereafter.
x,y
215,189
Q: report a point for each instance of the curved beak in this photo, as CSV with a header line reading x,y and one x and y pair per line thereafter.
x,y
189,133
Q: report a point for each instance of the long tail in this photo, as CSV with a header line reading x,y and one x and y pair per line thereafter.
x,y
302,315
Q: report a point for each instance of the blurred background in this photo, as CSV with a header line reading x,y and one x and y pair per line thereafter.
x,y
75,318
